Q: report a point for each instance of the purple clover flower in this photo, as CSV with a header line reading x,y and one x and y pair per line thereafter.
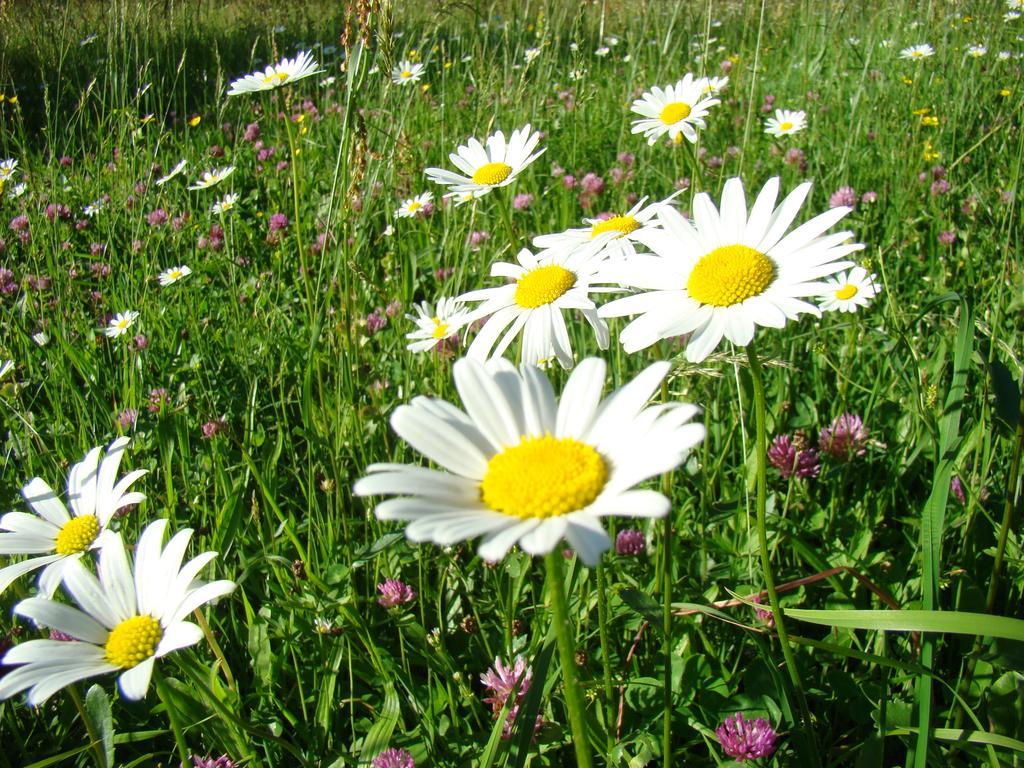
x,y
744,739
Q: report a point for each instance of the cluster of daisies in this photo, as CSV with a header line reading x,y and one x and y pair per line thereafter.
x,y
129,612
516,465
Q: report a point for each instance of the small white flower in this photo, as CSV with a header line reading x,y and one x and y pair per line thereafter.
x,y
174,172
531,54
225,204
94,207
407,72
603,51
976,51
434,326
922,51
173,275
389,230
414,205
677,110
121,323
485,169
17,190
785,122
276,75
848,291
212,177
41,338
7,168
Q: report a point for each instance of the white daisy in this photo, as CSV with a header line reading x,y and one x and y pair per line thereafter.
x,y
1011,15
7,168
614,237
541,287
407,72
517,466
678,109
922,51
174,274
120,324
225,204
497,165
433,326
728,272
94,207
530,54
714,85
182,164
276,75
414,205
976,51
21,188
847,292
785,122
41,338
129,617
212,177
57,537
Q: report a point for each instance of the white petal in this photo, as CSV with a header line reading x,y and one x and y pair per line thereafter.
x,y
587,537
580,398
135,682
63,618
544,537
45,503
181,634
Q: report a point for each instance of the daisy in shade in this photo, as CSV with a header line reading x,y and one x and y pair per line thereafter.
x,y
227,203
728,272
922,51
518,466
54,535
174,172
126,620
7,169
849,291
485,168
678,109
212,177
613,237
415,205
120,324
276,75
785,122
407,72
434,326
541,286
173,275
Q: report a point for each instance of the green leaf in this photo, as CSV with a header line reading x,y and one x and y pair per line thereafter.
x,y
952,622
380,734
643,604
97,709
1007,395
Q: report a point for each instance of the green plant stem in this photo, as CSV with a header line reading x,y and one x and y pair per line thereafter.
x,y
95,743
215,647
566,652
292,164
504,202
1010,501
761,447
172,715
606,663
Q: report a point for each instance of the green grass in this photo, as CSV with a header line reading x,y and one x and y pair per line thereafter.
x,y
318,671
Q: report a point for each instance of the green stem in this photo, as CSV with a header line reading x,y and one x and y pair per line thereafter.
x,y
760,414
1010,501
172,715
566,652
606,662
504,202
95,743
292,164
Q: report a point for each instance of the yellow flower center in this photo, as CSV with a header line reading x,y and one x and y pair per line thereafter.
x,y
406,73
414,206
280,77
491,173
848,291
729,275
916,54
133,641
543,477
786,126
440,329
621,224
77,534
543,285
674,112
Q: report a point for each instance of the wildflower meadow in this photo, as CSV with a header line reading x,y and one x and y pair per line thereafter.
x,y
538,383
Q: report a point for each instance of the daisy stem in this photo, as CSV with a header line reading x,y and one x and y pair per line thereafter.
x,y
504,202
570,684
606,669
292,161
172,715
760,415
215,647
95,743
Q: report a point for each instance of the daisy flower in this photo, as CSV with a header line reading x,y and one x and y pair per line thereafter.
x,y
848,291
276,75
541,287
121,323
7,168
21,188
56,536
212,177
614,237
407,72
785,122
497,165
922,51
517,466
678,109
173,275
127,618
714,85
976,51
225,204
433,326
94,207
414,205
728,272
174,172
